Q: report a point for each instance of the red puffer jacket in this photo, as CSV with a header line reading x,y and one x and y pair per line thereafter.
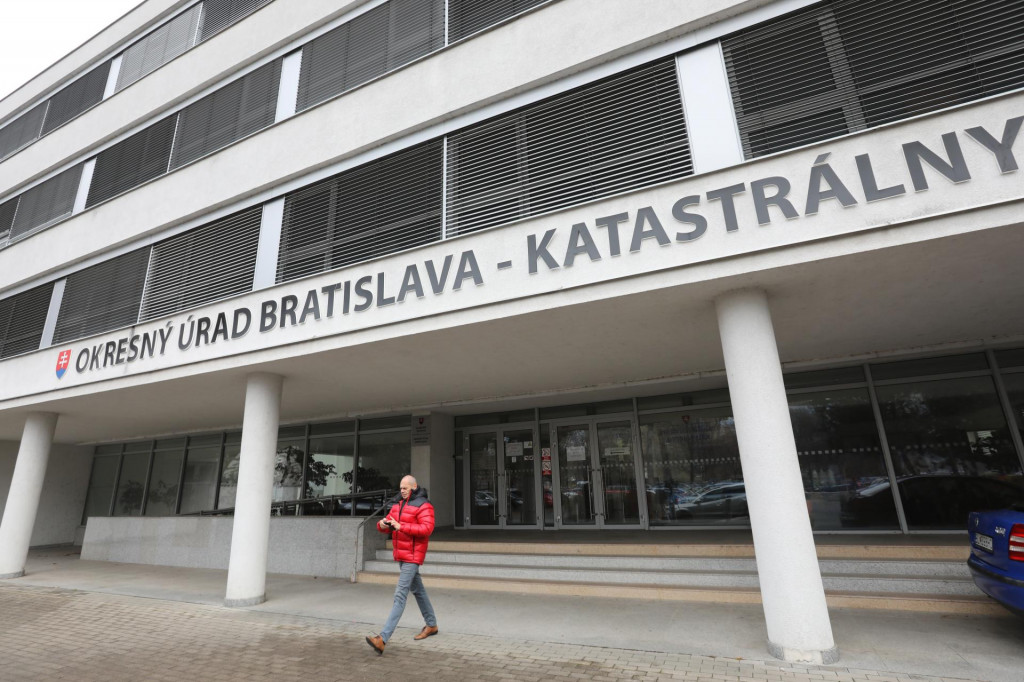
x,y
417,518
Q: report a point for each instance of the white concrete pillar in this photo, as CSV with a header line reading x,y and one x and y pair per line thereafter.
x,y
19,516
787,565
433,466
250,534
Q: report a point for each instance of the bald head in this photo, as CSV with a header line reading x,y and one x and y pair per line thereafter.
x,y
407,486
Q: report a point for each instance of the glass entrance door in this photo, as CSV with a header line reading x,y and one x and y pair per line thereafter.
x,y
520,479
483,478
502,471
618,473
576,474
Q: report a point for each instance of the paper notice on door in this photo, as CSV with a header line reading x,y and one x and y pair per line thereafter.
x,y
513,449
575,453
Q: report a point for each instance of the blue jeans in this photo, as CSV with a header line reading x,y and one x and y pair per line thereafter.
x,y
408,579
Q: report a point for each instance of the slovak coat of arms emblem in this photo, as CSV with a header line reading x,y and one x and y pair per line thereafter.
x,y
62,362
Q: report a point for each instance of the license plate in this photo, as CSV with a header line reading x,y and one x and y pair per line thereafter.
x,y
983,541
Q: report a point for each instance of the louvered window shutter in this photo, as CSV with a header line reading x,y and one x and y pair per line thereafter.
x,y
382,207
47,202
77,97
618,134
159,47
102,297
219,14
846,65
229,114
466,17
22,130
7,211
22,318
132,161
370,45
203,265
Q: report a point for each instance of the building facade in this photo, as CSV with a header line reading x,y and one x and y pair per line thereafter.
x,y
573,263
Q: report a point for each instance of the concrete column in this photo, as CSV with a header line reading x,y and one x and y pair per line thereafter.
x,y
787,565
434,467
26,487
250,534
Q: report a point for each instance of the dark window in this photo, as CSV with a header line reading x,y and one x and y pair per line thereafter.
x,y
8,209
22,318
205,264
103,297
47,202
845,65
77,97
370,45
133,161
219,14
159,46
382,207
618,134
22,130
466,17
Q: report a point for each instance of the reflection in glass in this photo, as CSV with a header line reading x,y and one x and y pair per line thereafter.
x,y
575,487
546,478
520,493
1014,384
288,462
692,468
951,449
384,458
331,460
615,452
229,473
163,483
841,460
483,477
101,486
131,484
200,484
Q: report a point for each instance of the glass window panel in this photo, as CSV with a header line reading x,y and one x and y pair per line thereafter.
x,y
141,446
400,422
331,466
163,482
929,366
692,468
460,505
229,472
200,485
131,484
171,444
563,411
101,484
384,458
825,377
1014,384
661,402
109,449
288,463
332,428
950,444
1010,358
546,485
841,461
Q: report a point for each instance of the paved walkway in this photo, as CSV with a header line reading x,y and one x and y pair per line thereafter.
x,y
59,634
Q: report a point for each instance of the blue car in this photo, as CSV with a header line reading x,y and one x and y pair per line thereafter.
x,y
997,555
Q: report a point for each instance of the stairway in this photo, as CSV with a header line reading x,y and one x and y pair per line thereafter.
x,y
911,577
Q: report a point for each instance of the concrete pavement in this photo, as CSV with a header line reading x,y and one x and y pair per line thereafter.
x,y
76,618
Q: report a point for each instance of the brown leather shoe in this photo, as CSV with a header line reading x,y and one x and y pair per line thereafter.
x,y
427,631
377,643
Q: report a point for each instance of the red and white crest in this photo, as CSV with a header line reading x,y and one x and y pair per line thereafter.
x,y
62,362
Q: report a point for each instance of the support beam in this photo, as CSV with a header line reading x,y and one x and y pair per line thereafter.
x,y
19,516
250,535
787,565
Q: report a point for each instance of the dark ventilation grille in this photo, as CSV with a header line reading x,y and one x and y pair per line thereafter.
x,y
22,130
22,318
382,207
47,202
8,209
203,265
102,297
76,98
618,134
219,14
846,65
370,45
229,114
466,17
132,161
159,47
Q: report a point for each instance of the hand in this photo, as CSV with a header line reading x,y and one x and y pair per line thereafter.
x,y
384,523
395,525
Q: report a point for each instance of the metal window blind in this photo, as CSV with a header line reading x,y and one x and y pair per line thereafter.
x,y
617,134
7,211
22,130
846,65
229,114
22,318
132,161
205,264
46,203
159,47
76,97
385,206
219,14
466,17
370,45
102,297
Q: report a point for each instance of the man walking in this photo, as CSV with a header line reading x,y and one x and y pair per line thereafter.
x,y
410,521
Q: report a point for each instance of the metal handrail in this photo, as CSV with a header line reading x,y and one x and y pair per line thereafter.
x,y
280,504
356,556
